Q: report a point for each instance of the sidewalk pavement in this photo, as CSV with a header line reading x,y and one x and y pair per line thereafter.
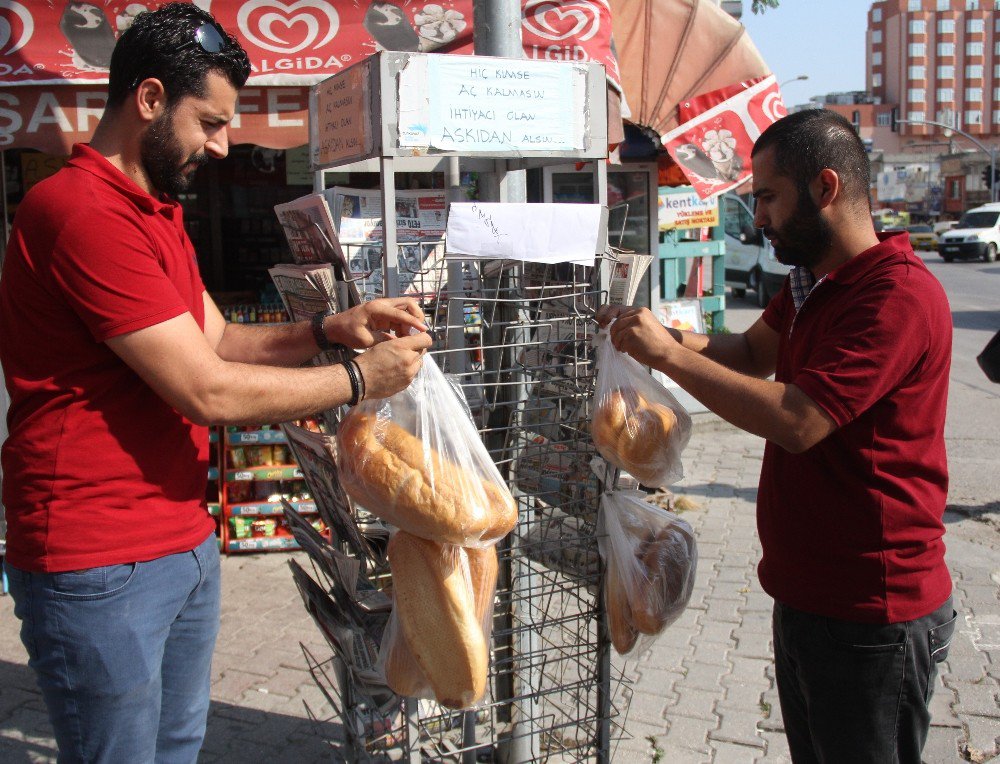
x,y
704,692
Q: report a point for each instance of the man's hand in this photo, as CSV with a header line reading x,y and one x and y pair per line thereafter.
x,y
637,332
365,325
391,365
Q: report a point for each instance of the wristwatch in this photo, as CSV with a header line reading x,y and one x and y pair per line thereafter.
x,y
322,341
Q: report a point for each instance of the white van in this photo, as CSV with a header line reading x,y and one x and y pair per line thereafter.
x,y
977,234
750,260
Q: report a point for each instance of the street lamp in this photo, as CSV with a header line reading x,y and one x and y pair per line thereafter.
x,y
992,150
794,79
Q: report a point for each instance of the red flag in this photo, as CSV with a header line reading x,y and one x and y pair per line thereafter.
x,y
712,146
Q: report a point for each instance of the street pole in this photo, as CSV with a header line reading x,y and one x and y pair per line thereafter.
x,y
992,150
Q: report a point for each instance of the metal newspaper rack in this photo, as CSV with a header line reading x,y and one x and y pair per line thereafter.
x,y
516,337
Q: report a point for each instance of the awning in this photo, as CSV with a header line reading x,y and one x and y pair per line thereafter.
x,y
54,57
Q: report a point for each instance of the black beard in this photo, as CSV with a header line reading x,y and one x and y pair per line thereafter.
x,y
163,159
805,238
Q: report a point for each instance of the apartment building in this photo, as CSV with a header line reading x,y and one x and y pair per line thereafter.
x,y
936,60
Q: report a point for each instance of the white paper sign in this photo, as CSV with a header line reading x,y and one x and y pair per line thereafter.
x,y
488,105
541,233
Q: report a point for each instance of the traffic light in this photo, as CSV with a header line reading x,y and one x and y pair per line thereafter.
x,y
987,177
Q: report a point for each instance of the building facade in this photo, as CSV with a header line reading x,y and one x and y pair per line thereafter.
x,y
937,60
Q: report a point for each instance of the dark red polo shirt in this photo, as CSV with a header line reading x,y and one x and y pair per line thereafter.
x,y
852,528
97,469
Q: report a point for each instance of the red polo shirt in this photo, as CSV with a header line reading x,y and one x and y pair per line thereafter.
x,y
97,468
852,528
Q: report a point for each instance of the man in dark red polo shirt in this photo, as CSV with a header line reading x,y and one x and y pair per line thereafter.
x,y
854,479
116,359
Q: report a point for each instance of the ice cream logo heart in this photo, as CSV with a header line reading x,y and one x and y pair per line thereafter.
x,y
561,21
275,26
11,11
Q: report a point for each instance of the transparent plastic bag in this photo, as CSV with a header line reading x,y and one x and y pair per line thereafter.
x,y
650,559
436,644
637,424
416,461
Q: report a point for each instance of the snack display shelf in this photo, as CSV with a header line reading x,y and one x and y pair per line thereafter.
x,y
270,508
268,544
256,438
279,472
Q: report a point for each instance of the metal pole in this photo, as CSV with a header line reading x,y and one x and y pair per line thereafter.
x,y
993,173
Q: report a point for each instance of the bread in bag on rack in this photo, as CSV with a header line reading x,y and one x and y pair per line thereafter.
x,y
436,610
389,472
634,434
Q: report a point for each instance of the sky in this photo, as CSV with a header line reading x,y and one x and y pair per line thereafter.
x,y
822,39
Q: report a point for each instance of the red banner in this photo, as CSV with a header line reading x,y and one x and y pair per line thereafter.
x,y
713,146
291,42
45,44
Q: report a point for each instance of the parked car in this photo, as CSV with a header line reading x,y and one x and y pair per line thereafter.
x,y
977,235
750,260
922,236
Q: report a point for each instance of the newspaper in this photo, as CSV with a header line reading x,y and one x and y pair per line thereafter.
x,y
312,451
357,214
309,229
625,277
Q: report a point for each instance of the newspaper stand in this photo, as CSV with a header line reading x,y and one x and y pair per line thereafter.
x,y
515,335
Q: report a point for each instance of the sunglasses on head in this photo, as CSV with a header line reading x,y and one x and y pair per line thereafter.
x,y
208,37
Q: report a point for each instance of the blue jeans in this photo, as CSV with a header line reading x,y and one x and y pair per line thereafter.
x,y
123,654
857,692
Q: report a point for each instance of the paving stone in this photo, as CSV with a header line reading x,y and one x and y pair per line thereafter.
x,y
983,735
738,727
731,753
698,704
688,732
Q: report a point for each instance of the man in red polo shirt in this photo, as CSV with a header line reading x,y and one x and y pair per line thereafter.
x,y
116,359
854,479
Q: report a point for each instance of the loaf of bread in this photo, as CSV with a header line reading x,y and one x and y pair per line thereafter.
x,y
436,611
483,573
634,434
389,472
402,672
616,604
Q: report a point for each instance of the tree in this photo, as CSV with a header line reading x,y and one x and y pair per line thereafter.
x,y
759,6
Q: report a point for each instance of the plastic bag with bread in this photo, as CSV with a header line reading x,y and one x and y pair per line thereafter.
x,y
637,425
650,559
437,642
416,461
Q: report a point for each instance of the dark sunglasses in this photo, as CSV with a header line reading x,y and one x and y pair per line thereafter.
x,y
208,37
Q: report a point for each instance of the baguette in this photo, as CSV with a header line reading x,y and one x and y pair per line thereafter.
x,y
386,470
483,568
616,605
402,672
436,610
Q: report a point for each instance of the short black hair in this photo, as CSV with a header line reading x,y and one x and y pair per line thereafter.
x,y
159,44
809,141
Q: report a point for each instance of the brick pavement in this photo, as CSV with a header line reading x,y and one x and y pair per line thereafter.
x,y
704,691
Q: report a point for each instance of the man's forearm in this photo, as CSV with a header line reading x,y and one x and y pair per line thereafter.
x,y
730,350
268,344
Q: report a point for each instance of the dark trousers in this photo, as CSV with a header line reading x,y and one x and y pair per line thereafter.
x,y
857,692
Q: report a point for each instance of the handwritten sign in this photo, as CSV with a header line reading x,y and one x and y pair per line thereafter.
x,y
685,209
541,233
341,126
488,105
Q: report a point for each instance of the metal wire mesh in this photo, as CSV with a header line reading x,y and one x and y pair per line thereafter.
x,y
516,338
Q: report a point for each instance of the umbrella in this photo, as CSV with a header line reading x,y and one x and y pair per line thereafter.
x,y
671,50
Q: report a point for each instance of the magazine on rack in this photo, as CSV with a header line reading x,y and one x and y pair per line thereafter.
x,y
309,229
626,273
357,214
312,451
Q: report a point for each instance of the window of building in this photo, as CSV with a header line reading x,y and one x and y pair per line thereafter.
x,y
877,14
876,36
915,95
945,95
917,72
946,26
946,49
877,58
883,119
973,94
917,50
972,5
973,118
944,5
973,49
996,94
974,26
974,71
946,72
914,5
996,48
946,117
916,115
996,116
918,26
876,80
996,70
